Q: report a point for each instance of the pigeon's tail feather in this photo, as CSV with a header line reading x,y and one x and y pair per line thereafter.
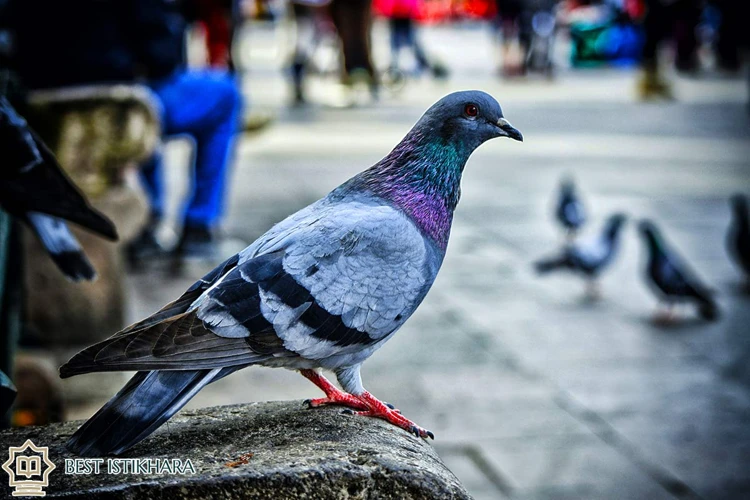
x,y
546,265
62,247
707,307
147,401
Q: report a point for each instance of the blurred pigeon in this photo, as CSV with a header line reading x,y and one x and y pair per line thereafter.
x,y
34,189
324,288
570,211
671,279
738,237
588,258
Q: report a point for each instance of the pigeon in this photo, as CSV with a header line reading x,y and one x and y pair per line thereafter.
x,y
570,211
738,237
34,189
323,289
587,258
671,279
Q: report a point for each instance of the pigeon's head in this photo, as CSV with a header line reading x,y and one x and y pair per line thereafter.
x,y
649,232
567,186
465,120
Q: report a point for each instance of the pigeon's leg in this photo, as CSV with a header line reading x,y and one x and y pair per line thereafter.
x,y
593,290
350,380
665,315
334,395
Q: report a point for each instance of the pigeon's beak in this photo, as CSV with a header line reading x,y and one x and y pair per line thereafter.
x,y
509,130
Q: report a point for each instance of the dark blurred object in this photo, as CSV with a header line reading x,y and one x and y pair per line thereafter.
x,y
729,34
7,395
588,258
34,188
33,181
80,42
146,246
10,302
671,279
738,237
570,211
679,17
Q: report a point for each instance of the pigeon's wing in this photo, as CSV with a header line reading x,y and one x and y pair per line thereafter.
x,y
174,338
31,180
323,285
676,278
590,254
342,281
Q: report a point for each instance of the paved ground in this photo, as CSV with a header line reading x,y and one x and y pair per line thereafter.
x,y
531,391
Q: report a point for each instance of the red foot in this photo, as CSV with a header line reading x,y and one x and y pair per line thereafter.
x,y
369,405
334,395
377,408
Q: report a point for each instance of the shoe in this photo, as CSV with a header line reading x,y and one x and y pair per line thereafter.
x,y
197,243
652,86
145,247
257,121
440,71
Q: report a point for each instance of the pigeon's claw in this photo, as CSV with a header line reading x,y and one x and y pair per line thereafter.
x,y
664,316
378,409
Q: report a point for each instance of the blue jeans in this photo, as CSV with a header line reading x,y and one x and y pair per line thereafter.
x,y
206,106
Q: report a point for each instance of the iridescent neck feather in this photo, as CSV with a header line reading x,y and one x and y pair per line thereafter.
x,y
422,177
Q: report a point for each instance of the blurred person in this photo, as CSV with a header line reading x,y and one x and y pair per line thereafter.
x,y
353,21
509,22
662,17
730,32
531,24
310,20
218,22
140,40
402,16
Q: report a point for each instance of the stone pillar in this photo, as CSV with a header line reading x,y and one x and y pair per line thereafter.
x,y
98,134
273,450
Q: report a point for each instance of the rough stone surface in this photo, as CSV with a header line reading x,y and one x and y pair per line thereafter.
x,y
296,453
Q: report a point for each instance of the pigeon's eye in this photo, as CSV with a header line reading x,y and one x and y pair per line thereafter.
x,y
471,110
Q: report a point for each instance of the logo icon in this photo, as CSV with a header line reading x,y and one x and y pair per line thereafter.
x,y
28,468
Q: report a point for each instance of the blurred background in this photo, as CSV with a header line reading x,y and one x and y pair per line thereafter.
x,y
196,125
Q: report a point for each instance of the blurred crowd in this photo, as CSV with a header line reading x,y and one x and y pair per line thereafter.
x,y
52,44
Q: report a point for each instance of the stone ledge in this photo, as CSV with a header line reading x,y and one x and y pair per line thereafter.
x,y
295,453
